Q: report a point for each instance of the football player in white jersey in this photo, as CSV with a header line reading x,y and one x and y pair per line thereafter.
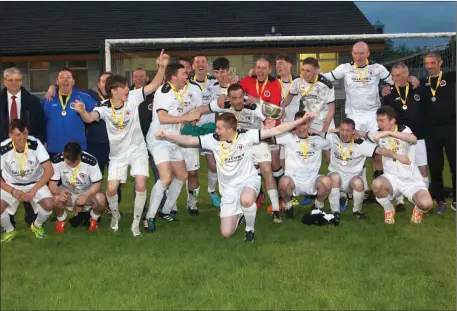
x,y
398,178
25,171
239,182
81,180
303,160
348,154
187,63
251,117
173,106
127,145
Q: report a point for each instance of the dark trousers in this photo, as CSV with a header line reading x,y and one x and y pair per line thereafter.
x,y
439,138
101,152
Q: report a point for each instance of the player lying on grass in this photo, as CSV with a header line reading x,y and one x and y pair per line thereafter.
x,y
239,182
25,171
81,179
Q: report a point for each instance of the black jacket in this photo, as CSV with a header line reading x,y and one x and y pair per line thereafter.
x,y
31,112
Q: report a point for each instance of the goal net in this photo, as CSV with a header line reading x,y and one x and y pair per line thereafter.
x,y
123,56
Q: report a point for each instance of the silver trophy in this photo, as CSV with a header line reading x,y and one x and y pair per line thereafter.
x,y
270,110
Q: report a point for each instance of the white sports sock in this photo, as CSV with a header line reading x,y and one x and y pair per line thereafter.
x,y
155,198
334,199
274,198
93,215
288,205
138,207
419,210
6,222
319,205
426,181
386,204
249,217
173,193
192,196
63,217
113,203
358,201
212,181
400,199
42,216
364,178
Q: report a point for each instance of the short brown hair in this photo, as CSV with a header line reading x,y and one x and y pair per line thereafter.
x,y
105,73
19,124
387,111
113,82
229,119
65,69
311,61
285,58
265,59
72,151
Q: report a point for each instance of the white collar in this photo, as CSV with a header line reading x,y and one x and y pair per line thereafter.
x,y
18,95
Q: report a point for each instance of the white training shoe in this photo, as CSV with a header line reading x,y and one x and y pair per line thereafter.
x,y
136,228
115,221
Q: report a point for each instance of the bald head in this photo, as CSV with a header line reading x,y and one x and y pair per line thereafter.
x,y
360,53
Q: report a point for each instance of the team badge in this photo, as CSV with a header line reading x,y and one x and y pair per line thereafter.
x,y
150,107
443,83
82,175
417,97
266,93
240,148
191,95
127,112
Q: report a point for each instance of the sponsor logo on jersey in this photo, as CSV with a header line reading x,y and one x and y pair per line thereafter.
x,y
267,93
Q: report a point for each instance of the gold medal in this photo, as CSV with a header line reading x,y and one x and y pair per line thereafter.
x,y
22,161
22,174
64,105
433,99
346,155
120,123
405,106
437,85
64,113
304,149
392,143
73,178
223,155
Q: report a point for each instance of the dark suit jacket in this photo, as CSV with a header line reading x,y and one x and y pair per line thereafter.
x,y
30,111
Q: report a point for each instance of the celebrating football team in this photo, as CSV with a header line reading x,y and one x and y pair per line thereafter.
x,y
260,127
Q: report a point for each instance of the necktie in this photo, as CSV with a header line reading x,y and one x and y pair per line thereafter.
x,y
13,113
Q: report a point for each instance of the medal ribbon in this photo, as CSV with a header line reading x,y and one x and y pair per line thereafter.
x,y
310,88
100,95
75,174
304,149
263,88
64,105
348,152
406,94
437,83
181,94
22,161
365,71
223,155
119,123
204,82
283,88
392,143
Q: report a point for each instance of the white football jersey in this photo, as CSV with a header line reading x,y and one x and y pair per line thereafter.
x,y
317,99
126,141
208,90
238,163
296,164
395,168
293,106
247,119
89,173
166,99
219,89
358,151
361,98
11,166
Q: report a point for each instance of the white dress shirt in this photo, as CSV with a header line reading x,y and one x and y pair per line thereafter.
x,y
18,104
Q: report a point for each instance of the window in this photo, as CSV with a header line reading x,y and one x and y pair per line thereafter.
x,y
80,73
327,61
39,77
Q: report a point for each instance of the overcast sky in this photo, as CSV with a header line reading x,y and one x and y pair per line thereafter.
x,y
399,17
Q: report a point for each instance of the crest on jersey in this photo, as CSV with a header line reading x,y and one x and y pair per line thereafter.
x,y
443,83
209,89
30,162
150,107
240,148
370,72
82,175
417,97
191,95
267,93
128,112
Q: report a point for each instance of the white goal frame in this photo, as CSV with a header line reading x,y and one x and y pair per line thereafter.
x,y
110,42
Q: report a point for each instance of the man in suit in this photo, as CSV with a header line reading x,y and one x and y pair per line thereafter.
x,y
17,103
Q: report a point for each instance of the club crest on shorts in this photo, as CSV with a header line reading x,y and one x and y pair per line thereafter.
x,y
417,97
443,83
267,93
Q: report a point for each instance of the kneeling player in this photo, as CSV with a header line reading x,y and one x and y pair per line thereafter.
x,y
81,184
25,171
398,179
348,155
239,182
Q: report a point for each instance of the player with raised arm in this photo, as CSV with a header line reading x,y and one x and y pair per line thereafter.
x,y
398,178
172,107
127,145
238,179
303,153
348,155
80,189
25,171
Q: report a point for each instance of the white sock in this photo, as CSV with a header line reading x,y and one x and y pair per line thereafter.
x,y
212,181
419,210
138,207
288,205
334,199
364,178
426,181
42,216
93,215
6,222
63,217
319,205
192,196
173,193
386,204
400,199
249,217
358,201
274,198
155,198
113,203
